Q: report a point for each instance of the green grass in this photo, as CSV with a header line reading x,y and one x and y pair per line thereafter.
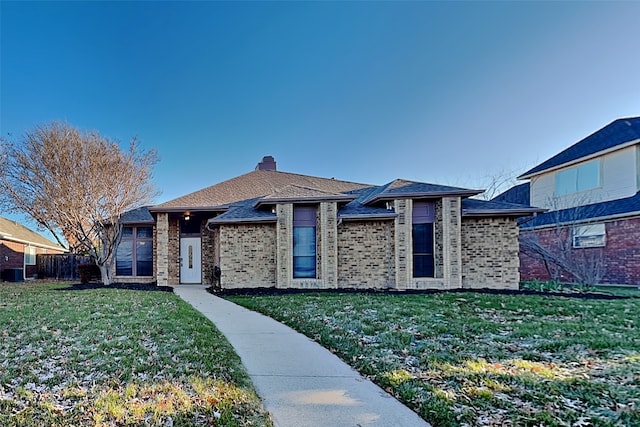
x,y
477,359
107,357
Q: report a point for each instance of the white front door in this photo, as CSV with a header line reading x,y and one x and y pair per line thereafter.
x,y
190,260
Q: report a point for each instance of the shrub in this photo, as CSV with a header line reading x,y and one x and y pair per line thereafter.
x,y
88,272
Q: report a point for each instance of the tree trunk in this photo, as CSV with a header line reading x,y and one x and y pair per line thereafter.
x,y
105,274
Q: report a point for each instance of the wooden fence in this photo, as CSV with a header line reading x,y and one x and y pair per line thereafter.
x,y
60,266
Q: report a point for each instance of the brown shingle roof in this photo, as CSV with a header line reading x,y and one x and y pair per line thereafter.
x,y
12,230
296,193
251,185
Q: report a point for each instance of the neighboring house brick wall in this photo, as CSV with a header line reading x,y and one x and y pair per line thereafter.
x,y
621,254
366,255
490,253
12,254
248,255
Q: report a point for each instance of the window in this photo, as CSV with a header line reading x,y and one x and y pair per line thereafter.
x,y
30,255
589,236
134,256
578,178
422,236
304,242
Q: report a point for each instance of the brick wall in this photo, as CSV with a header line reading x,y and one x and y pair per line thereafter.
x,y
402,243
161,253
490,253
248,255
210,253
12,256
366,257
174,251
328,245
621,253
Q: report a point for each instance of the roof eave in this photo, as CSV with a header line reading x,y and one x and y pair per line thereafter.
x,y
587,220
366,217
174,209
529,175
299,200
420,195
10,238
500,212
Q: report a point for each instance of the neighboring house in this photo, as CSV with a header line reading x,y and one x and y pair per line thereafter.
x,y
591,193
19,248
282,230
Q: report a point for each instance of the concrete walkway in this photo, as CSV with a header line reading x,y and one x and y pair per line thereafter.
x,y
301,383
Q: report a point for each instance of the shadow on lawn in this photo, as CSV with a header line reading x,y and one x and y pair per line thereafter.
x,y
125,286
274,291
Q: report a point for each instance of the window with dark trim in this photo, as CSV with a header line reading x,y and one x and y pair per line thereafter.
x,y
422,236
134,256
304,242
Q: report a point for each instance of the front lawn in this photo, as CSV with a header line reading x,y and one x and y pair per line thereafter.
x,y
114,357
472,359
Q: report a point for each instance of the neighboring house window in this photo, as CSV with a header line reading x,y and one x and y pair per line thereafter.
x,y
304,242
422,236
30,255
578,178
134,256
589,236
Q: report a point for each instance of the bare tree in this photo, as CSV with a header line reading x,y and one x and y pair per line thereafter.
x,y
495,183
77,185
553,245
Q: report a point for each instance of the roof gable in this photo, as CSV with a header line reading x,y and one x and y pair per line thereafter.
x,y
616,133
401,188
12,230
296,193
258,183
490,208
519,194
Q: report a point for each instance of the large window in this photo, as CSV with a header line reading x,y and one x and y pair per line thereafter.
x,y
578,178
134,256
422,236
304,242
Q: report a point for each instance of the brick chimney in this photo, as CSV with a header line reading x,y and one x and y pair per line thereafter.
x,y
267,164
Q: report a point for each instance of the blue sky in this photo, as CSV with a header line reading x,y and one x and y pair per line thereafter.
x,y
443,92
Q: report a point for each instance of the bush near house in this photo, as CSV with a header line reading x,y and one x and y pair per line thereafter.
x,y
116,357
474,359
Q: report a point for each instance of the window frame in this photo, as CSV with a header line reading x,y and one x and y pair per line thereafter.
x,y
568,181
30,254
589,236
423,213
305,218
136,241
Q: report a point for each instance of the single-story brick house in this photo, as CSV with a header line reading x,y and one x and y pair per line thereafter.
x,y
275,229
19,248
